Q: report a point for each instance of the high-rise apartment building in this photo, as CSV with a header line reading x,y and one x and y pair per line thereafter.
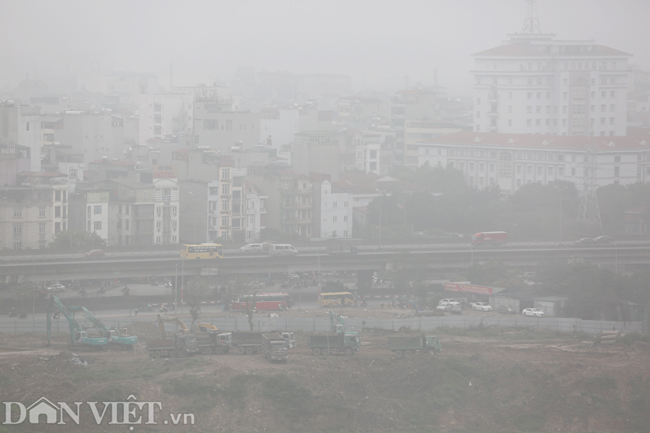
x,y
536,84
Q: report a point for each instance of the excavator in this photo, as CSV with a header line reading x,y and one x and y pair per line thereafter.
x,y
182,344
207,327
116,337
79,338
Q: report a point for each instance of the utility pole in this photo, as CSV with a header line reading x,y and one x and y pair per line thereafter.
x,y
589,211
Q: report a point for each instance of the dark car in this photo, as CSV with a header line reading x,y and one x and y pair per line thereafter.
x,y
604,240
506,309
585,241
95,253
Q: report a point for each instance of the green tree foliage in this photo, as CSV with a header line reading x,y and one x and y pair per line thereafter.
x,y
76,241
614,200
539,211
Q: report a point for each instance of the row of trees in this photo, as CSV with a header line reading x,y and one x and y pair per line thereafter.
x,y
445,203
594,293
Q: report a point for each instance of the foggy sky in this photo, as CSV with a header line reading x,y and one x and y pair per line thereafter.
x,y
207,40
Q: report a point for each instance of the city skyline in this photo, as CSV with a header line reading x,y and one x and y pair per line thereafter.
x,y
379,45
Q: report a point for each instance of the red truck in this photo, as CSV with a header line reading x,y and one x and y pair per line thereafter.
x,y
489,239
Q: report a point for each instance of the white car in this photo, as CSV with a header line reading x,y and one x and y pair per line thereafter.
x,y
482,306
532,312
448,303
54,288
444,307
252,247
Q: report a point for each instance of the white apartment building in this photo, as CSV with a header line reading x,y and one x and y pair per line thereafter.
x,y
512,160
336,214
21,125
278,126
93,134
165,114
369,155
33,211
166,215
536,84
255,212
223,130
97,213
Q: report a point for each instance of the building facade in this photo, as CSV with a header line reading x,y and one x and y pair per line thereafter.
x,y
513,160
33,211
536,84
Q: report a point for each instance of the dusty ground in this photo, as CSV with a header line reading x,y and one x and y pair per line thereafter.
x,y
486,380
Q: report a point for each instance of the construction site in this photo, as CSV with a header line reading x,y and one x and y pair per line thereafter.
x,y
485,378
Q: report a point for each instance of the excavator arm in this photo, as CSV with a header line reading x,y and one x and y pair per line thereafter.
x,y
175,320
207,327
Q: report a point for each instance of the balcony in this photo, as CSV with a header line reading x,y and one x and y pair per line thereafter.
x,y
305,205
288,205
304,221
305,191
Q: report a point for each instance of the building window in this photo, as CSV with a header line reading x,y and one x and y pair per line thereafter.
x,y
97,225
225,189
57,211
126,224
225,173
97,210
224,221
617,171
225,205
334,219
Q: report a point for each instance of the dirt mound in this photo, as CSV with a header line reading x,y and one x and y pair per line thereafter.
x,y
509,382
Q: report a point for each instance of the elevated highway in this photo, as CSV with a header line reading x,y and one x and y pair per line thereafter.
x,y
450,257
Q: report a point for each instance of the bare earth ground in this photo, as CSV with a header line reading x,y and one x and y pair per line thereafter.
x,y
485,380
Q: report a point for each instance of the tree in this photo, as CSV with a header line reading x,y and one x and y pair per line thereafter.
x,y
73,240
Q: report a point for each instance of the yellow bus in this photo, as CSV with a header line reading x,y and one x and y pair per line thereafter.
x,y
336,299
202,251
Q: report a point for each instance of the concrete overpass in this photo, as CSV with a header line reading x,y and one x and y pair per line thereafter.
x,y
434,257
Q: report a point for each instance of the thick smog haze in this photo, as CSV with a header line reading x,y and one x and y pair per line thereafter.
x,y
374,42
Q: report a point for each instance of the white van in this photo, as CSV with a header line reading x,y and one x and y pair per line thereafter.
x,y
282,250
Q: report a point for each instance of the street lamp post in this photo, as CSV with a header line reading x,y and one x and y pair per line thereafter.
x,y
34,295
380,211
561,191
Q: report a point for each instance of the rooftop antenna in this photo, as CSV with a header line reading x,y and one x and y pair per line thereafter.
x,y
589,211
531,24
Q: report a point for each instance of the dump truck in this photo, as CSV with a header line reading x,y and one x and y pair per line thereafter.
x,y
327,344
275,347
244,341
182,344
178,346
406,346
291,339
209,341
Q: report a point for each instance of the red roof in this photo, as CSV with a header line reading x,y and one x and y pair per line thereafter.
x,y
533,50
539,141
